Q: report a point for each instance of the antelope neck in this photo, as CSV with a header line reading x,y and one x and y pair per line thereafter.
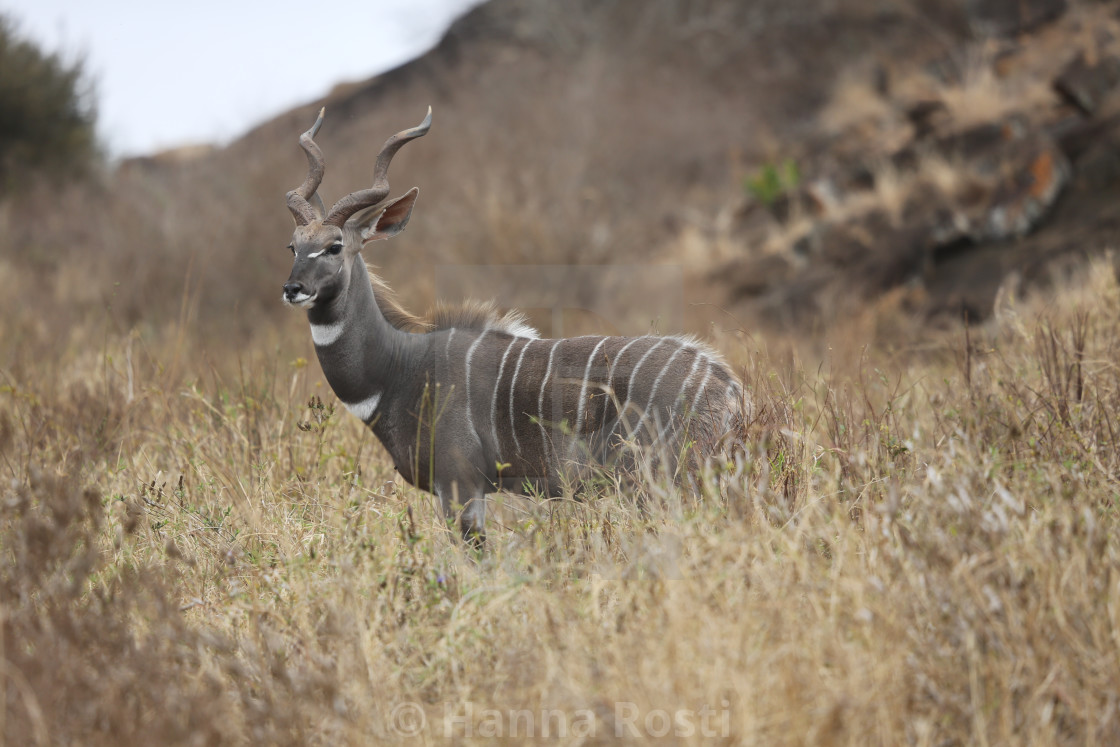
x,y
357,347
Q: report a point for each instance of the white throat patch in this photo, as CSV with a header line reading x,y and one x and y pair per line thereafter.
x,y
364,410
325,334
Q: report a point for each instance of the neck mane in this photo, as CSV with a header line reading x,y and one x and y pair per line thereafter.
x,y
391,308
467,315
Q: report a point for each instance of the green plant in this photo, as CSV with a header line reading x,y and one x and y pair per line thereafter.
x,y
772,181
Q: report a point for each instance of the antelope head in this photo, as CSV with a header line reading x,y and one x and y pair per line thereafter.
x,y
325,243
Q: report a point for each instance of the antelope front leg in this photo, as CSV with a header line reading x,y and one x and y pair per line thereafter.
x,y
472,522
468,505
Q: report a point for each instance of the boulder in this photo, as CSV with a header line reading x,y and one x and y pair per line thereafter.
x,y
1034,173
755,276
1010,17
927,117
1086,85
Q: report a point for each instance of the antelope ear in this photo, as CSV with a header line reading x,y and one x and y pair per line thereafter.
x,y
318,206
389,220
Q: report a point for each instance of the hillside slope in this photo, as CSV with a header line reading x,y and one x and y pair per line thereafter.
x,y
574,134
934,187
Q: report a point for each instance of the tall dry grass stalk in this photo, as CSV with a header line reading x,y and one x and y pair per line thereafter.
x,y
921,548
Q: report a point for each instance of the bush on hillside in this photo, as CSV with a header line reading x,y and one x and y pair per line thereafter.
x,y
47,112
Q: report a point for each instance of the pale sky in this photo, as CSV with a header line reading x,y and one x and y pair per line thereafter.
x,y
175,73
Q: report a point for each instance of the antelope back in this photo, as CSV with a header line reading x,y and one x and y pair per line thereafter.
x,y
538,405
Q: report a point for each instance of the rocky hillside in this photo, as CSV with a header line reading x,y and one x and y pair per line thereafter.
x,y
935,181
936,151
795,158
580,134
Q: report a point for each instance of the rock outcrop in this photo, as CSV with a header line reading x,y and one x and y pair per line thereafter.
x,y
977,191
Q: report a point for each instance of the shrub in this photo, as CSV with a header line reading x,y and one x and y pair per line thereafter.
x,y
47,111
772,181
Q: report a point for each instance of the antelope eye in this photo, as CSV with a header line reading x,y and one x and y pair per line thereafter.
x,y
335,248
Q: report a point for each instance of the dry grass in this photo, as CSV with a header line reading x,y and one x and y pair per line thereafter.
x,y
980,95
921,549
198,546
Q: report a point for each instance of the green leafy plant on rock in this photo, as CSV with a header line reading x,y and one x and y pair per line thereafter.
x,y
773,181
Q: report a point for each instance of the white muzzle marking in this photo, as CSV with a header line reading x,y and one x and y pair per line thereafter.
x,y
301,299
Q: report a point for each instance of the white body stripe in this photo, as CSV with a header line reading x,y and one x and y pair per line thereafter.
x,y
732,394
657,383
364,410
470,354
610,381
617,358
494,402
540,402
700,389
325,334
447,347
638,365
691,372
684,387
512,384
583,388
630,384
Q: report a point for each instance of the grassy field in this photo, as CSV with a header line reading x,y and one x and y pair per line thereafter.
x,y
199,546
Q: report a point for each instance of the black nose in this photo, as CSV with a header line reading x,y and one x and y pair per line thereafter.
x,y
291,290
